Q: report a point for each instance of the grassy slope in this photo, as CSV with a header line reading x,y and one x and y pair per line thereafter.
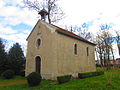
x,y
109,81
16,78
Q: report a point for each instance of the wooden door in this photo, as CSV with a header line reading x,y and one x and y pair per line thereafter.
x,y
38,64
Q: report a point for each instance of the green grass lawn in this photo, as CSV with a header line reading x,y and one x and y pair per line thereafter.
x,y
109,81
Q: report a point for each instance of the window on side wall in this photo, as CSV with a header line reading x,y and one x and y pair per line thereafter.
x,y
87,51
75,49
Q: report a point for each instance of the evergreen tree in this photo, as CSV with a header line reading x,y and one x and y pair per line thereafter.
x,y
3,57
16,58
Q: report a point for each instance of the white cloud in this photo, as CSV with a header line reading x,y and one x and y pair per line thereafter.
x,y
79,11
13,35
2,3
8,11
14,15
6,30
13,2
26,32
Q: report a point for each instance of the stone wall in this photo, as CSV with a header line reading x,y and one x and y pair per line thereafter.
x,y
68,62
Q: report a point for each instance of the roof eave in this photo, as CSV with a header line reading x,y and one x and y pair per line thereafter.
x,y
32,30
61,32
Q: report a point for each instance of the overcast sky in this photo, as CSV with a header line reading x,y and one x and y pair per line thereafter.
x,y
17,22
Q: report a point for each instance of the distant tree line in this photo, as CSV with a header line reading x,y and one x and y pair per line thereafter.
x,y
104,45
14,59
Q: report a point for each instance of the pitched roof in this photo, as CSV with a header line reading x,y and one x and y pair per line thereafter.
x,y
64,32
70,34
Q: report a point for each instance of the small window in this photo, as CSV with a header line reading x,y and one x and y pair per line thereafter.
x,y
38,42
87,50
75,49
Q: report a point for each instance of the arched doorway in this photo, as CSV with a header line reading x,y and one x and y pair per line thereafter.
x,y
38,64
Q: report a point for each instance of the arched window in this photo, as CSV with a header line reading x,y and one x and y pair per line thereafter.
x,y
87,51
75,49
38,42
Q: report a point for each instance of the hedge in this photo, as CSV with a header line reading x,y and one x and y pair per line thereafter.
x,y
89,74
8,74
64,78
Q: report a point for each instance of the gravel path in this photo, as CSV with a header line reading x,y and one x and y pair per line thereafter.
x,y
12,82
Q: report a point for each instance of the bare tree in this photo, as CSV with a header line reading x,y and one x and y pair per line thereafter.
x,y
99,49
117,38
82,31
104,47
55,13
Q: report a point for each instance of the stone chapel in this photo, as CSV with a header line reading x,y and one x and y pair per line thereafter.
x,y
53,51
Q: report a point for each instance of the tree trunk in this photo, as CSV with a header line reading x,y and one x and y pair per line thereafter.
x,y
49,20
112,54
118,45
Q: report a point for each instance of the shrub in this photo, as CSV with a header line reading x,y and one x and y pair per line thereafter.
x,y
63,79
34,79
98,65
22,73
89,74
8,74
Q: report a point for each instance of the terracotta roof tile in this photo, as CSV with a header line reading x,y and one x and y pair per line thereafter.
x,y
61,30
